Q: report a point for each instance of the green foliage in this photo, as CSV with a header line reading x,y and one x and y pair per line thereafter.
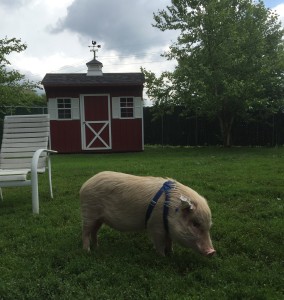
x,y
14,88
41,257
230,59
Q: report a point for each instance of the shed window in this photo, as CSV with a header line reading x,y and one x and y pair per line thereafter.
x,y
126,108
64,108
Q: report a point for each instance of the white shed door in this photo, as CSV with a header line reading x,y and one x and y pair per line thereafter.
x,y
95,122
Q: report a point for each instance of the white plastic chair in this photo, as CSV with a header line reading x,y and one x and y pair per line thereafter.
x,y
24,150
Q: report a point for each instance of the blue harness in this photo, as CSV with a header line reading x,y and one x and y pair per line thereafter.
x,y
167,186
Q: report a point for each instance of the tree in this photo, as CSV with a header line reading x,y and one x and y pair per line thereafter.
x,y
14,88
229,56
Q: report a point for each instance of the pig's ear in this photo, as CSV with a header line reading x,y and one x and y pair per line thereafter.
x,y
186,204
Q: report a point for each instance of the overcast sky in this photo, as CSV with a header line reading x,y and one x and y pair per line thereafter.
x,y
58,33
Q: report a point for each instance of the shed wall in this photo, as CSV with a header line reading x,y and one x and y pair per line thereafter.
x,y
66,136
127,134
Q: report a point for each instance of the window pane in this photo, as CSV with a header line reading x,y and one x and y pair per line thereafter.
x,y
60,114
67,114
127,113
64,113
64,108
126,107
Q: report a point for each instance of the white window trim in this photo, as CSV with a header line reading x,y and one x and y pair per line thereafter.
x,y
122,107
53,108
137,108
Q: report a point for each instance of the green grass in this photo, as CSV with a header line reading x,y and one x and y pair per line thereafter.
x,y
41,257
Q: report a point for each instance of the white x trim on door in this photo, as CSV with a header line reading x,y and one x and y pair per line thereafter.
x,y
97,134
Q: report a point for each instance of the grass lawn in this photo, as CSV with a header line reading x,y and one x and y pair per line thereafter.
x,y
41,256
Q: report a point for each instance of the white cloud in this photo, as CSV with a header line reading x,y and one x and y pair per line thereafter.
x,y
123,26
280,11
45,52
125,32
67,50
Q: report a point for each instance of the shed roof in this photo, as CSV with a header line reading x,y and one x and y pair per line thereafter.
x,y
94,62
81,79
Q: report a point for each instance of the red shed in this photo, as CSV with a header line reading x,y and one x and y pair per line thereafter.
x,y
95,111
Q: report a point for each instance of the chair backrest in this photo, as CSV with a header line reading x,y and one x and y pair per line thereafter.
x,y
22,136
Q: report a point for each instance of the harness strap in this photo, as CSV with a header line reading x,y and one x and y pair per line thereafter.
x,y
167,186
167,205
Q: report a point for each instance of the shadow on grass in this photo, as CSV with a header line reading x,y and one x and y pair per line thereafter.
x,y
126,249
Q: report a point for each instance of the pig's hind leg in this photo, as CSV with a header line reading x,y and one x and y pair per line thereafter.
x,y
94,233
90,231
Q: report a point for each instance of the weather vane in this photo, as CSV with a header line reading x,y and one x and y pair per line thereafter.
x,y
94,47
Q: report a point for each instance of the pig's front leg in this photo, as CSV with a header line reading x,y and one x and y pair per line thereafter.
x,y
169,246
162,243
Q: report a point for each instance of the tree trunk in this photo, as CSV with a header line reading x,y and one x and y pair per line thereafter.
x,y
226,128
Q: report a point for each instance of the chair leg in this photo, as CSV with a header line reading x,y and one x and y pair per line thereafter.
x,y
35,199
49,177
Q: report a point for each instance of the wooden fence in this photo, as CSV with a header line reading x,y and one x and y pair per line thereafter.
x,y
173,129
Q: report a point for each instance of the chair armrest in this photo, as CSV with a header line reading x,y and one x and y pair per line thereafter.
x,y
36,157
34,175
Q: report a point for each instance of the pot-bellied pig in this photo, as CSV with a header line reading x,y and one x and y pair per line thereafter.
x,y
167,209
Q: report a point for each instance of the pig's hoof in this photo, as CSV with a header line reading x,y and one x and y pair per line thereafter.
x,y
87,249
161,252
168,252
210,253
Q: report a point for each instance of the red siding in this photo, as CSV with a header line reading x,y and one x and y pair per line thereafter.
x,y
126,134
75,92
66,136
96,108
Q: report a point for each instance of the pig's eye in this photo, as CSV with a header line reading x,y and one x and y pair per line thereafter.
x,y
196,224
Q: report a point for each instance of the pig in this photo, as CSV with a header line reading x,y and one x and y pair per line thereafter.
x,y
122,201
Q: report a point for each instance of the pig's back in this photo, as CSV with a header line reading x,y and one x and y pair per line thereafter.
x,y
119,200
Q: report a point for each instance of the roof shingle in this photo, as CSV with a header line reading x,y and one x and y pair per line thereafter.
x,y
81,79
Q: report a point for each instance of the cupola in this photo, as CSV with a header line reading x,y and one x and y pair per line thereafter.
x,y
94,66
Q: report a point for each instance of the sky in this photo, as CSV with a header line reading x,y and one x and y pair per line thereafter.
x,y
58,33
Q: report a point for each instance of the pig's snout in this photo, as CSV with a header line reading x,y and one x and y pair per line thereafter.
x,y
205,248
210,252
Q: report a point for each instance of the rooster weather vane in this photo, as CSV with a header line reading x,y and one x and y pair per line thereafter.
x,y
95,48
